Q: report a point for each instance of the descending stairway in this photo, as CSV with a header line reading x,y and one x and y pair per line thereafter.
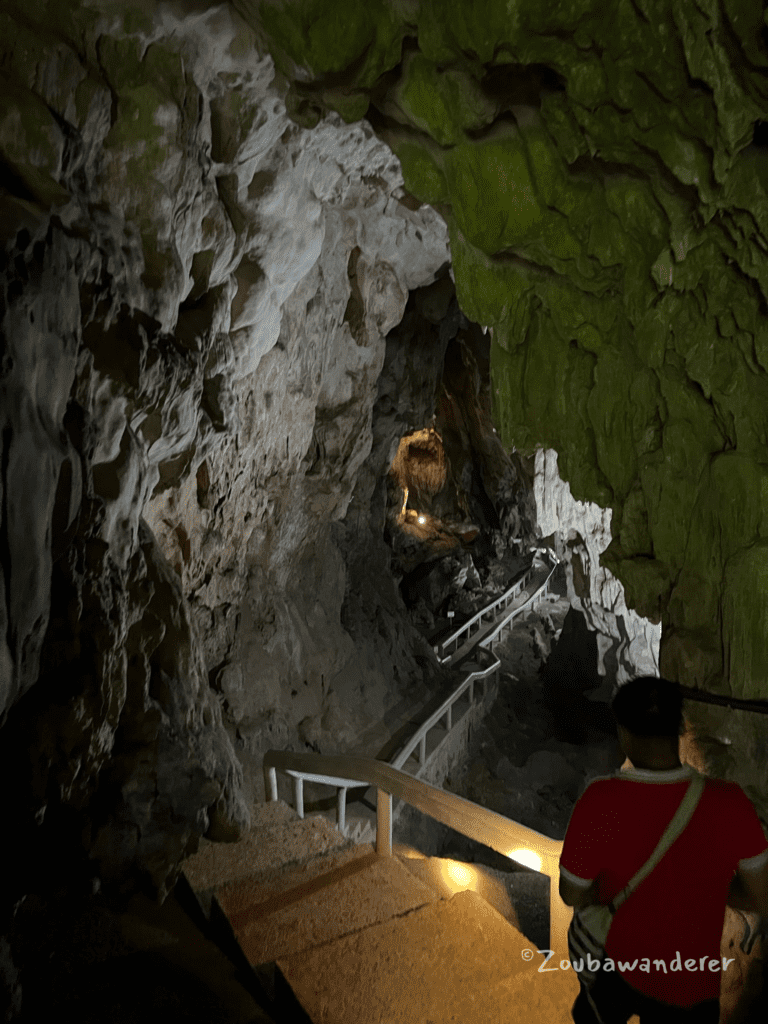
x,y
337,934
473,653
484,622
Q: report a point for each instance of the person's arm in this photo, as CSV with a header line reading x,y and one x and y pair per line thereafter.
x,y
577,896
737,895
749,890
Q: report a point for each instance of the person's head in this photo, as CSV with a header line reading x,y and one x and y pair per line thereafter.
x,y
649,715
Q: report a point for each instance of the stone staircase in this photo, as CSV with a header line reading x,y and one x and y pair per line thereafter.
x,y
336,934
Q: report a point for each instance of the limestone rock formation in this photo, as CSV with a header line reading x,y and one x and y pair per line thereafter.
x,y
602,173
205,253
196,296
585,531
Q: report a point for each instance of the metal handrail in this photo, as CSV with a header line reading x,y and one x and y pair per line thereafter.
x,y
509,838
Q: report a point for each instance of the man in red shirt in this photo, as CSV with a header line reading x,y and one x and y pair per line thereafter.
x,y
663,949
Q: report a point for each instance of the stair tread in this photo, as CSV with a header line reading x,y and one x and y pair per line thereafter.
x,y
263,850
453,960
318,902
521,897
447,877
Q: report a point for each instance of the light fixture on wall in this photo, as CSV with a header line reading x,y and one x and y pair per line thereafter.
x,y
422,519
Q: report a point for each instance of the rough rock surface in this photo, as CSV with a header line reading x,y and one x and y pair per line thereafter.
x,y
605,195
585,531
200,387
196,295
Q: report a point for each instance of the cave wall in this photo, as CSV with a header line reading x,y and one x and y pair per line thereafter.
x,y
602,171
627,644
196,294
201,263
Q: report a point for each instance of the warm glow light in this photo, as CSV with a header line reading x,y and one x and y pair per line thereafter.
x,y
527,857
459,874
422,519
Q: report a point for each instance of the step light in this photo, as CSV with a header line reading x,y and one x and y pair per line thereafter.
x,y
527,857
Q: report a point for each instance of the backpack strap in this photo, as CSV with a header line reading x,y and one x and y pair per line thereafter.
x,y
673,830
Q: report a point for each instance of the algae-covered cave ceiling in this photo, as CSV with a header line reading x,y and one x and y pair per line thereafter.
x,y
225,303
602,169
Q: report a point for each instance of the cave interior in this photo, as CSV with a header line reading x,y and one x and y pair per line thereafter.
x,y
318,320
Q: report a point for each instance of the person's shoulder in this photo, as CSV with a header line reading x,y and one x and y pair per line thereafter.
x,y
728,794
600,786
727,789
600,780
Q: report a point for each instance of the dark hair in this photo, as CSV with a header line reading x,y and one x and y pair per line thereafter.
x,y
649,706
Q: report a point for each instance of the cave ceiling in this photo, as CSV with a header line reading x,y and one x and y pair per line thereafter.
x,y
602,169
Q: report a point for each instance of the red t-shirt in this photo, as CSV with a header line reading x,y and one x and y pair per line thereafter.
x,y
680,906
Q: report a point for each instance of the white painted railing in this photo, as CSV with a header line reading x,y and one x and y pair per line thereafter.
x,y
509,838
538,595
503,601
476,673
419,738
516,837
445,711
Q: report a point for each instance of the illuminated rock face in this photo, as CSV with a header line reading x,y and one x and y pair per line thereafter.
x,y
196,293
194,345
585,530
604,179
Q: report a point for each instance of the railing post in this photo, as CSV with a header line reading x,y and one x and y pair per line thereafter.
x,y
559,913
298,795
471,692
423,749
383,823
448,717
341,808
270,784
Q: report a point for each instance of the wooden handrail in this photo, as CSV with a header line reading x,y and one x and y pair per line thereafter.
x,y
478,823
470,819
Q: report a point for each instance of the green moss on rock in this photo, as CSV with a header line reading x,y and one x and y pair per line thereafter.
x,y
612,227
443,103
359,39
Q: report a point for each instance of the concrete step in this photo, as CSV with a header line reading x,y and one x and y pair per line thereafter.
x,y
277,838
314,903
521,897
455,960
